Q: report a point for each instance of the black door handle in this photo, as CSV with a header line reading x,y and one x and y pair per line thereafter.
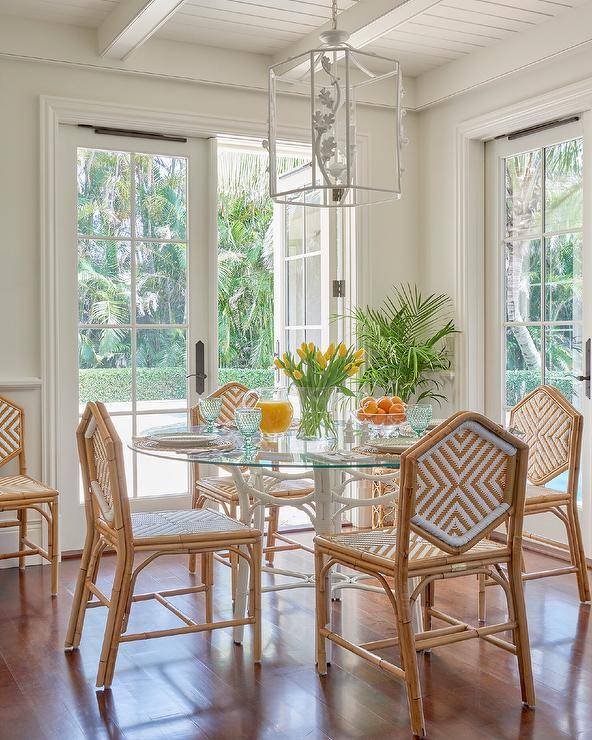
x,y
199,374
586,377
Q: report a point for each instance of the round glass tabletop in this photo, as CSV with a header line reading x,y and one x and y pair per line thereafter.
x,y
349,450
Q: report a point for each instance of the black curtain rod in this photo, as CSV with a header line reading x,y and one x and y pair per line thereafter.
x,y
134,134
540,127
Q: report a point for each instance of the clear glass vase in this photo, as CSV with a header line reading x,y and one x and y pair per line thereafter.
x,y
317,417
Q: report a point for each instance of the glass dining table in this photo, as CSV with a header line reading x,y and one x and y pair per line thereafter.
x,y
339,469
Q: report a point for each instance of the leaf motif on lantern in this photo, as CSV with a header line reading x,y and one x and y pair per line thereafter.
x,y
325,97
328,147
326,64
322,122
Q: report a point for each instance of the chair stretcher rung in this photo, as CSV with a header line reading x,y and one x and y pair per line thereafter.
x,y
547,573
185,630
362,653
172,608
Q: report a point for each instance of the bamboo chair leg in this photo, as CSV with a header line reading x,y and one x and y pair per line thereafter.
x,y
242,597
54,549
113,629
192,560
233,558
272,528
482,605
89,568
321,587
409,664
578,555
255,591
192,565
207,577
22,519
521,634
428,602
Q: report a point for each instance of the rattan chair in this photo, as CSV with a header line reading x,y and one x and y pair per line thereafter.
x,y
21,494
222,491
456,485
111,526
552,429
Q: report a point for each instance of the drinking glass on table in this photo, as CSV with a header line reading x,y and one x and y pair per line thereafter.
x,y
419,417
209,409
248,421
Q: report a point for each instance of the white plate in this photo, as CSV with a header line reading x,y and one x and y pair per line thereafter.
x,y
186,440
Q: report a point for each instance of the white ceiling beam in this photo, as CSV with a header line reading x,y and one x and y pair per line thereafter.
x,y
131,23
366,21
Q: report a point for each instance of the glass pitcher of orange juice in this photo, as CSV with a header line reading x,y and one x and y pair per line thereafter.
x,y
276,409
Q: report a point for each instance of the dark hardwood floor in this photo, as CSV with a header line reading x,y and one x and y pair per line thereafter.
x,y
203,686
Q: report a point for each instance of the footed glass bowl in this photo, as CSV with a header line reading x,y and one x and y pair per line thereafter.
x,y
379,425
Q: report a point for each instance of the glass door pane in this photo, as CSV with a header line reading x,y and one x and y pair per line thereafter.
x,y
543,270
132,289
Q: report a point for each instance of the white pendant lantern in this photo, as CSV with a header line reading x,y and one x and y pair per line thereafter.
x,y
337,80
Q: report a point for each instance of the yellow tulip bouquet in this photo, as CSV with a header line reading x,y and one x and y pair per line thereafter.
x,y
317,375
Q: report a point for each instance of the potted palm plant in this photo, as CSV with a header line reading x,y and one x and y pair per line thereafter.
x,y
407,344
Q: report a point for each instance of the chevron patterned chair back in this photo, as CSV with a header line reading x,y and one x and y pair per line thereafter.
x,y
232,397
101,460
463,482
11,433
549,424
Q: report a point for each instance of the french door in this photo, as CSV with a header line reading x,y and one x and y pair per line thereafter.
x,y
537,307
135,296
310,246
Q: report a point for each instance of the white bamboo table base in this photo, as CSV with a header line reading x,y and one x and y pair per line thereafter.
x,y
324,507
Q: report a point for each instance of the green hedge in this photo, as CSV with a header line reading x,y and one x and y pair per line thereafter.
x,y
114,384
521,382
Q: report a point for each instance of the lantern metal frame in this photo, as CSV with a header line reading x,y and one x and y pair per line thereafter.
x,y
334,180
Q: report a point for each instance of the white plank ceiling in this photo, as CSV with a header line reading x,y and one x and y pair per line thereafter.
x,y
448,30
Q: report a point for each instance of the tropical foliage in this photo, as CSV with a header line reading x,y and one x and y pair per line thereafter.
x,y
406,344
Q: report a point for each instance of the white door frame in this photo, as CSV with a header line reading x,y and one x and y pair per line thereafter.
x,y
470,232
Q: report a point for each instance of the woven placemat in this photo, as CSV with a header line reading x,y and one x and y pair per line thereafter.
x,y
378,451
151,443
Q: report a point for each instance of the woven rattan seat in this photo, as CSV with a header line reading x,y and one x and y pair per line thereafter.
x,y
17,487
537,494
381,545
179,525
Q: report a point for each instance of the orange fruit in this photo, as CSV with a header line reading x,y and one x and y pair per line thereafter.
x,y
371,407
398,418
364,401
397,399
394,408
384,403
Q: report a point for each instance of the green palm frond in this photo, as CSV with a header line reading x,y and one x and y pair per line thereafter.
x,y
406,343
